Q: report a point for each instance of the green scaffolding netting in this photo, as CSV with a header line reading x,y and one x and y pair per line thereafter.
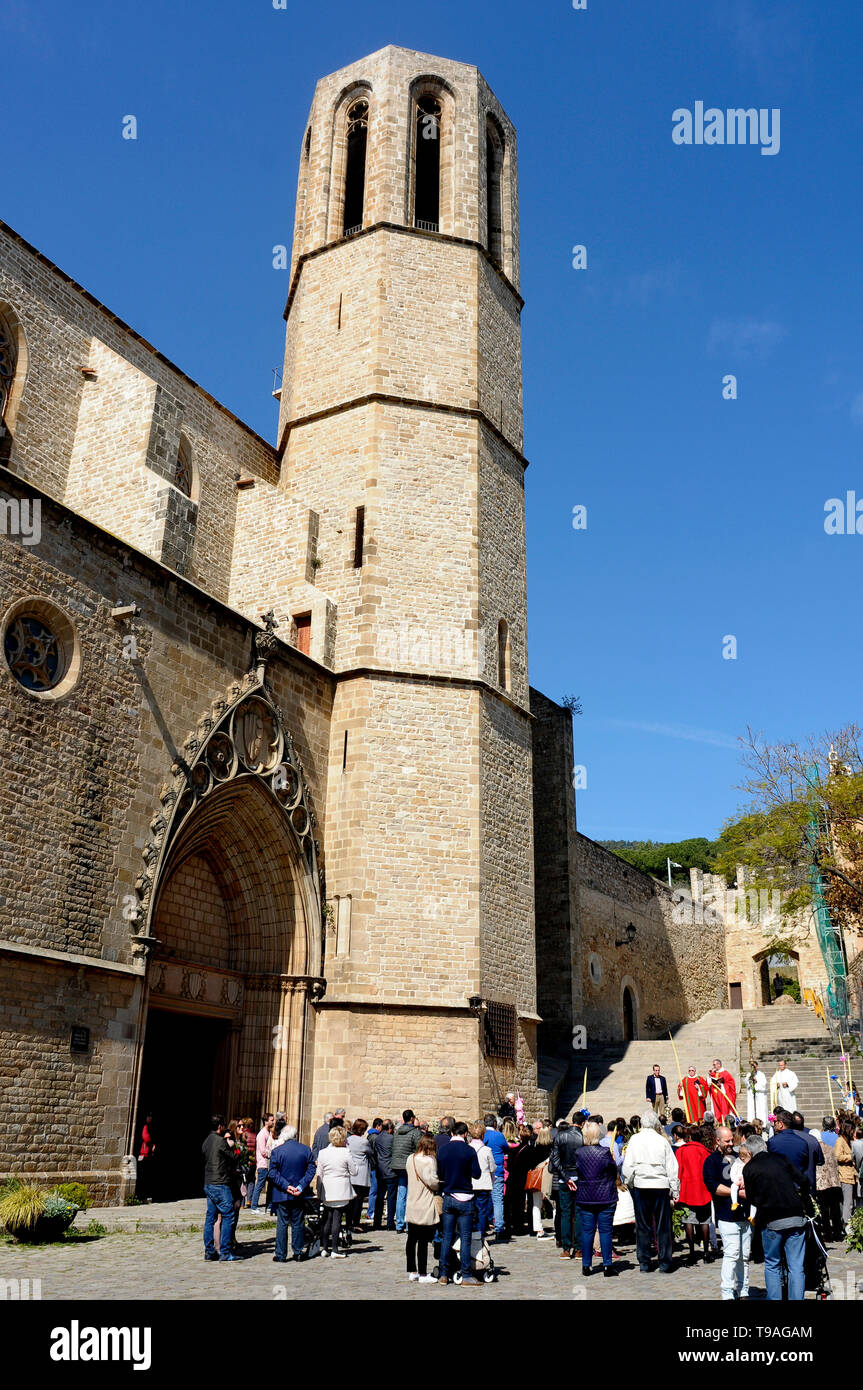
x,y
828,935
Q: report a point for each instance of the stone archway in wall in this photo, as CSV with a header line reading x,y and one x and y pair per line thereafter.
x,y
231,923
629,1010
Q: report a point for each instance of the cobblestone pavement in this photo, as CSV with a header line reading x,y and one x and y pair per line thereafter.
x,y
171,1266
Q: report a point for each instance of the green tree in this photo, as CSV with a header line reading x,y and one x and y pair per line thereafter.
x,y
805,808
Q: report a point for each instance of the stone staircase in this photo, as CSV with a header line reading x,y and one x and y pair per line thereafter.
x,y
794,1032
616,1072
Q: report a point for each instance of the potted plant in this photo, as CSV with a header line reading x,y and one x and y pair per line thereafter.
x,y
36,1218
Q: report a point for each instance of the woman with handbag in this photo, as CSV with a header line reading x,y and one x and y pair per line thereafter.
x,y
421,1209
537,1181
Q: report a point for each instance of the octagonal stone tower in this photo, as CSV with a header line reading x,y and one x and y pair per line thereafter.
x,y
401,428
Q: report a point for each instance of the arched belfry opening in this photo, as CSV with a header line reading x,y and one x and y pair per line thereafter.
x,y
494,162
232,923
355,166
430,181
427,190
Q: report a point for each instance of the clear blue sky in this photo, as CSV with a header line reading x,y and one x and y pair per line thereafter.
x,y
705,517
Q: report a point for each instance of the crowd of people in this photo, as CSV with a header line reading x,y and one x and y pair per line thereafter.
x,y
742,1189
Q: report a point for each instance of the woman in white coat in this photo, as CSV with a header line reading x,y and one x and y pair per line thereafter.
x,y
337,1167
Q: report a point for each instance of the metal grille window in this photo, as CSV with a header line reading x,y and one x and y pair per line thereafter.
x,y
500,1022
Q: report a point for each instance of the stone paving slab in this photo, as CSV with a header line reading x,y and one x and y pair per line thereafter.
x,y
171,1267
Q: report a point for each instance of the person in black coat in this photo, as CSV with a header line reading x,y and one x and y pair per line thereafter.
x,y
779,1192
382,1150
567,1143
506,1109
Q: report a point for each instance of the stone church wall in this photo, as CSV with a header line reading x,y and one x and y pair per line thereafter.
x,y
105,442
81,784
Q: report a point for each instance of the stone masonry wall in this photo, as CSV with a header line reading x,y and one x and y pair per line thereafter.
x,y
675,970
559,970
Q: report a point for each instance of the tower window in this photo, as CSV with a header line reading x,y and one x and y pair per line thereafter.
x,y
359,536
355,170
183,474
427,189
307,147
494,200
503,675
303,625
7,367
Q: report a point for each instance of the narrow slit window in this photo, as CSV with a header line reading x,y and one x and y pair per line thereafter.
x,y
359,536
427,190
355,171
345,752
503,655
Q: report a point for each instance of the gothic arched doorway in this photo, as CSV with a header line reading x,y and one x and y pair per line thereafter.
x,y
628,1015
234,921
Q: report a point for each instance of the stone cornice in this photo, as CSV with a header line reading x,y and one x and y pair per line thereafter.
x,y
71,958
464,412
405,231
432,678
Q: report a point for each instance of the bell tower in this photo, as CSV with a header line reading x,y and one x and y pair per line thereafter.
x,y
401,428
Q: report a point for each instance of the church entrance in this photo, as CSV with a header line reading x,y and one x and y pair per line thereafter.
x,y
185,1074
235,922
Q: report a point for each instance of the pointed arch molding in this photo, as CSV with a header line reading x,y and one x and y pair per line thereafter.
x,y
242,738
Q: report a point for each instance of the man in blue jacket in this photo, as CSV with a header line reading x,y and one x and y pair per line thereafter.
x,y
292,1168
457,1166
788,1143
499,1148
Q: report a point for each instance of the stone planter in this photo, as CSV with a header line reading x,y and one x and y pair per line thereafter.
x,y
44,1229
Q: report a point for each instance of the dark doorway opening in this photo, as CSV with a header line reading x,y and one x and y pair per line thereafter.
x,y
764,978
185,1075
736,996
628,1015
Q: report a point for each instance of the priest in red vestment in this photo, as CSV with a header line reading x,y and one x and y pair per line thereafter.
x,y
692,1090
723,1091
